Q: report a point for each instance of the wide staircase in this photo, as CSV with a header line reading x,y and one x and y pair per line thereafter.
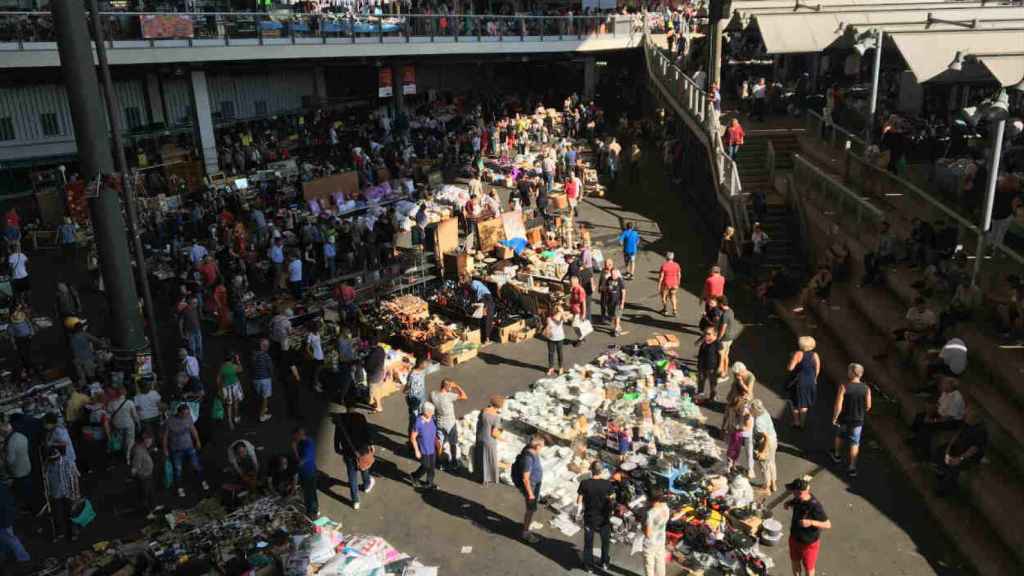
x,y
784,250
856,324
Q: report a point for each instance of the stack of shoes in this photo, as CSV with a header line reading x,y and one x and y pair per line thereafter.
x,y
771,532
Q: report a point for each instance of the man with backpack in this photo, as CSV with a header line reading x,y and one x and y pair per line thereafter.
x,y
527,473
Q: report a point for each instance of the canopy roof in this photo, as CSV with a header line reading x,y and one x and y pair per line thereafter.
x,y
929,54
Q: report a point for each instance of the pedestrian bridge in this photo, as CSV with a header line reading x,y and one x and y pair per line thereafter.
x,y
27,39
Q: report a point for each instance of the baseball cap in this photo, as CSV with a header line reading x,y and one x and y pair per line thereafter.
x,y
798,485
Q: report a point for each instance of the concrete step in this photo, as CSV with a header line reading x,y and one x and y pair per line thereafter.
x,y
861,320
965,526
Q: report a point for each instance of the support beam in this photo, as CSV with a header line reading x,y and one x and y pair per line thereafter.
x,y
156,99
319,84
589,77
203,120
91,137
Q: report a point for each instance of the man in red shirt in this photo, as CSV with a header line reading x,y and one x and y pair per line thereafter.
x,y
714,285
668,283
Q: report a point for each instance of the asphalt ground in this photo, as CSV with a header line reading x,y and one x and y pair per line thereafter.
x,y
878,525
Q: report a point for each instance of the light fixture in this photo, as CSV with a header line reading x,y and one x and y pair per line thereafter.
x,y
962,23
866,41
1014,127
958,62
999,108
972,115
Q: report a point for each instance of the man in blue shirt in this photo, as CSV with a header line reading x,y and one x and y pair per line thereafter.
x,y
305,454
276,254
482,295
630,241
533,474
423,438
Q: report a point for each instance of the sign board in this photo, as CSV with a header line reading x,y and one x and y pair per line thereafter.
x,y
346,182
408,79
490,232
447,239
384,84
166,26
512,222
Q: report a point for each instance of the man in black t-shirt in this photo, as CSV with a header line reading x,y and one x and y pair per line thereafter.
x,y
710,364
809,520
594,504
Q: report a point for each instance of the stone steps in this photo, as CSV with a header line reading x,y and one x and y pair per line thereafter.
x,y
966,526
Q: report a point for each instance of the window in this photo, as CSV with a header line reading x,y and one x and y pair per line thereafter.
x,y
132,117
227,109
6,129
51,125
261,107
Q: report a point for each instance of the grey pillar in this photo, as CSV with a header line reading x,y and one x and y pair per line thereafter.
x,y
319,84
202,122
92,139
397,98
589,77
156,99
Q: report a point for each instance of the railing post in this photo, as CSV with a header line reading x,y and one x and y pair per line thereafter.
x,y
259,31
352,27
522,28
476,24
227,32
455,25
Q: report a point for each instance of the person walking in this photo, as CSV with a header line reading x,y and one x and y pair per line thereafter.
x,y
230,388
190,327
304,451
488,432
124,421
595,501
262,371
444,401
142,473
424,444
20,330
809,519
710,365
734,135
615,292
554,333
766,442
9,541
181,441
17,462
853,402
804,367
630,241
669,277
416,389
528,474
353,442
17,266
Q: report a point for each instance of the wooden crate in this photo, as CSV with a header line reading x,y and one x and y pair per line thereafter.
x,y
523,335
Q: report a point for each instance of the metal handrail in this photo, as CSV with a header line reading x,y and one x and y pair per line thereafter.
x,y
839,195
695,103
769,161
816,124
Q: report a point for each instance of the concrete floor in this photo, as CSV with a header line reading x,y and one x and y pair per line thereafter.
x,y
878,527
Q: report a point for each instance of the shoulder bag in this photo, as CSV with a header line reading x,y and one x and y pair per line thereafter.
x,y
364,460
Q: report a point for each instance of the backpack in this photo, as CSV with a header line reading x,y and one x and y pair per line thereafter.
x,y
519,468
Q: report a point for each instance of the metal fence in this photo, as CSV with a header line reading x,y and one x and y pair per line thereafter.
x,y
826,191
33,30
693,101
832,134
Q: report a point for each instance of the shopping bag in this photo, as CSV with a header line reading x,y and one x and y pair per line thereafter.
x,y
83,514
583,328
168,473
217,409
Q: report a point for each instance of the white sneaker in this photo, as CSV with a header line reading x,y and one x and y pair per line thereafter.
x,y
265,417
206,486
181,492
355,506
369,488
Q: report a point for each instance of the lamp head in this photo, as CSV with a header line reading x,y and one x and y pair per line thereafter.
x,y
958,62
999,108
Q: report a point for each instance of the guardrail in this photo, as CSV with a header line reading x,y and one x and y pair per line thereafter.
x,y
769,161
835,135
808,177
694,102
35,30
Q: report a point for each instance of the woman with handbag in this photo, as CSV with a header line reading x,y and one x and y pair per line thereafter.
x,y
352,442
804,367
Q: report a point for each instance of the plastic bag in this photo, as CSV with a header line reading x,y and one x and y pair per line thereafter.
x,y
168,473
583,327
217,409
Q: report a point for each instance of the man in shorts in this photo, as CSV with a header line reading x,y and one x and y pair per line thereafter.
x,y
529,484
630,240
262,377
853,402
668,283
809,519
615,292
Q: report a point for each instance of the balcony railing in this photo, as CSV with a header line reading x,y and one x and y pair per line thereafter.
x,y
34,30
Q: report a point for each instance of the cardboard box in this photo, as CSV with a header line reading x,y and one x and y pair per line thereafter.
x,y
558,201
456,358
503,252
505,333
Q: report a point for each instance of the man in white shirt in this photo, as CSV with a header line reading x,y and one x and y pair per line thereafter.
x,y
946,414
17,264
295,276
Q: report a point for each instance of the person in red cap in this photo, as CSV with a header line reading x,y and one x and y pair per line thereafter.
x,y
809,520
